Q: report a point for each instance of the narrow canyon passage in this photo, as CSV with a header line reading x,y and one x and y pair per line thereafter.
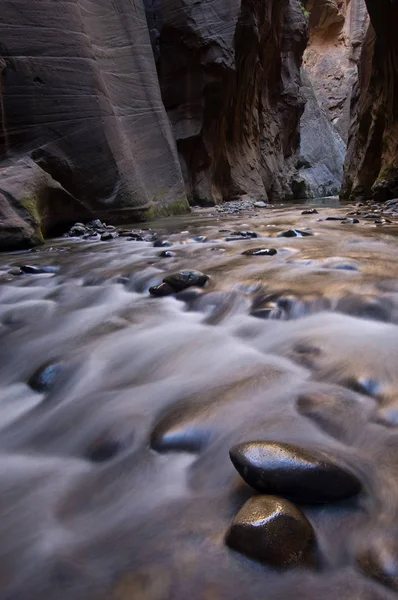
x,y
198,300
119,408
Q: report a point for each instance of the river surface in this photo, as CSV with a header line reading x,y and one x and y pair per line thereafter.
x,y
299,347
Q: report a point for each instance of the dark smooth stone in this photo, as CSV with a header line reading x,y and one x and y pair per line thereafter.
x,y
38,270
162,244
312,211
103,450
200,238
44,378
346,267
371,216
184,279
301,475
167,254
108,235
225,231
334,218
161,290
260,252
247,234
294,233
273,531
179,437
234,239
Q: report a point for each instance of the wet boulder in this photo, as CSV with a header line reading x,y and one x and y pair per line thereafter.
x,y
108,235
273,531
184,279
307,476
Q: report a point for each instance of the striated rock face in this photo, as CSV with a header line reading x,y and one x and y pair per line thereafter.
x,y
372,160
230,78
80,97
320,162
337,30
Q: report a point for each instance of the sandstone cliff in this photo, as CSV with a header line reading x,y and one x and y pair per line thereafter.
x,y
372,160
229,72
337,30
83,128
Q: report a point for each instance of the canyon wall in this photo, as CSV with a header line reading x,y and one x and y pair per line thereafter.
x,y
372,159
229,72
83,128
337,31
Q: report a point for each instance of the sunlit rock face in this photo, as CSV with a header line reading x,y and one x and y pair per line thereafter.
x,y
372,165
230,78
337,30
80,96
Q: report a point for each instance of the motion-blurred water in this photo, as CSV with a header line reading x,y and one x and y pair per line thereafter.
x,y
115,482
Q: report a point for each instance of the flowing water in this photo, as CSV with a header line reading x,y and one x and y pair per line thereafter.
x,y
115,481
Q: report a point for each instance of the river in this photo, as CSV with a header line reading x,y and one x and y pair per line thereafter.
x,y
115,477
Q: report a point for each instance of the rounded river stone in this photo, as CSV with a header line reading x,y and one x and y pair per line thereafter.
x,y
301,475
274,531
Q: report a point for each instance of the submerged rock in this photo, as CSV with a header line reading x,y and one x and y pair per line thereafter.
x,y
295,233
274,531
183,279
260,252
380,559
302,475
167,254
45,377
312,211
164,289
32,270
162,244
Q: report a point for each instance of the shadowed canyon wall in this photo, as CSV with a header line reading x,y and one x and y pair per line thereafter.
x,y
372,160
229,72
83,127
